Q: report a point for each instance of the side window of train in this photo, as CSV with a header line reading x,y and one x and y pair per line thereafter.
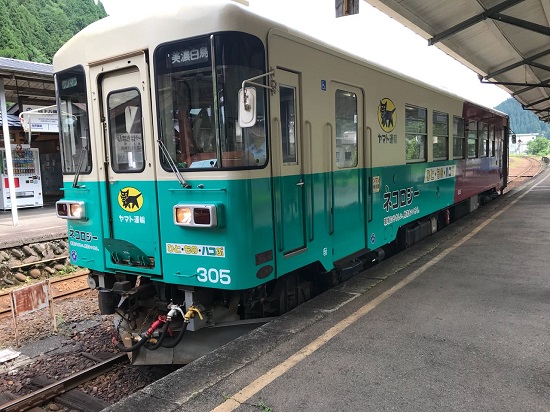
x,y
346,129
416,133
288,124
492,146
473,147
125,129
458,138
484,139
440,135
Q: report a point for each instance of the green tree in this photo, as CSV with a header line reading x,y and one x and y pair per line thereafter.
x,y
539,146
35,29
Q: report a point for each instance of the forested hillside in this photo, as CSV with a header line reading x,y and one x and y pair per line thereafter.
x,y
35,29
523,121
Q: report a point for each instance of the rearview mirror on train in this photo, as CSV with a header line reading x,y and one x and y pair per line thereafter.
x,y
513,139
247,107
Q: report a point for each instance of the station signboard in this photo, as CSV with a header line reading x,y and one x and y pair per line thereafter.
x,y
42,119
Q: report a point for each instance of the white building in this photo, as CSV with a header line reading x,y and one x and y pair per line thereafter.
x,y
520,147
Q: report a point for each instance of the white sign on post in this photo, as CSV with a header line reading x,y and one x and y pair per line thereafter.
x,y
41,119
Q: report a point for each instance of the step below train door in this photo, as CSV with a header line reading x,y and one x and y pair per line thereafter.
x,y
132,239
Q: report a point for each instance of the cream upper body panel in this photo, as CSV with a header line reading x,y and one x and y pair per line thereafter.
x,y
112,38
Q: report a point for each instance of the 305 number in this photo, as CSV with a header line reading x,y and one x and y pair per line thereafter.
x,y
214,275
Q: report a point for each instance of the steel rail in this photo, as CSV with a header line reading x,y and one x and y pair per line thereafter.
x,y
532,163
39,262
48,392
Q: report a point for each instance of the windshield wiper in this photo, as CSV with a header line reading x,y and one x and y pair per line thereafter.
x,y
81,158
172,164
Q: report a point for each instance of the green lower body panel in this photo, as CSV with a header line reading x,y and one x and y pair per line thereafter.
x,y
265,227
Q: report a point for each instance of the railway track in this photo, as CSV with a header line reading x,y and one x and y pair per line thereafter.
x,y
532,168
62,386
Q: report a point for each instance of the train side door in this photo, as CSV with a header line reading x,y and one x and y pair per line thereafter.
x,y
132,239
287,165
348,185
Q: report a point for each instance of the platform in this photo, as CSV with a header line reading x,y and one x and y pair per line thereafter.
x,y
35,224
457,322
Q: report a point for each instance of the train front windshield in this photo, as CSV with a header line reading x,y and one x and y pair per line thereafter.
x,y
198,82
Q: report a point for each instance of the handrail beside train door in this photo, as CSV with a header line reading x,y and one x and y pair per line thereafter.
x,y
275,136
368,141
330,182
308,142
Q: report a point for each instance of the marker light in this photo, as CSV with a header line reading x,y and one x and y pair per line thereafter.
x,y
69,209
195,215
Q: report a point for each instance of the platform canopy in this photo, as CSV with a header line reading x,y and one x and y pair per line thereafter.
x,y
27,82
24,83
507,42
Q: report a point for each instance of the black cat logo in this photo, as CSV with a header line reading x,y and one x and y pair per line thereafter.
x,y
386,110
130,199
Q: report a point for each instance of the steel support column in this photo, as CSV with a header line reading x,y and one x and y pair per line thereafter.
x,y
7,146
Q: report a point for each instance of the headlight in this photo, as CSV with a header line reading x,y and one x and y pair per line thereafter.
x,y
184,215
72,210
195,215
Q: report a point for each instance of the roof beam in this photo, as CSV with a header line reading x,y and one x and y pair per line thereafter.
x,y
544,83
528,61
10,75
473,20
532,85
524,24
30,91
527,106
540,66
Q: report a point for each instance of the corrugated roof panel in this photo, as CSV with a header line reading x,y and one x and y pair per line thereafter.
x,y
13,121
529,10
480,34
496,38
523,41
437,12
485,52
533,96
539,73
25,66
518,75
27,82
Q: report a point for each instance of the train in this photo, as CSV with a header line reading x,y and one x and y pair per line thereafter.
x,y
221,168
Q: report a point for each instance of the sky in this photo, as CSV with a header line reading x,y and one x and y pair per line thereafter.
x,y
371,35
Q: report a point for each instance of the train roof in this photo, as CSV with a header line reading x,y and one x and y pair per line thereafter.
x,y
167,20
159,22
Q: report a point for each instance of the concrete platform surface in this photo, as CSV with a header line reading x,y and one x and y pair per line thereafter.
x,y
459,322
34,225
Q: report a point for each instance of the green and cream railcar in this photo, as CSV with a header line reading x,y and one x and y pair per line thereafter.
x,y
175,204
